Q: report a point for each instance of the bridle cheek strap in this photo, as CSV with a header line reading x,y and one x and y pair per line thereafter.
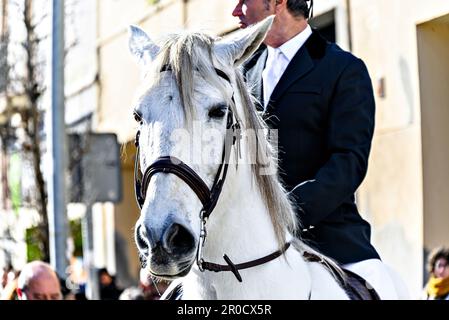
x,y
173,165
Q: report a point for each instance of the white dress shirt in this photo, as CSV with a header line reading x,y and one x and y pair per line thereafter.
x,y
278,60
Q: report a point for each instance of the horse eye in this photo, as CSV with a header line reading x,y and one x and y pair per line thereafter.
x,y
217,112
137,117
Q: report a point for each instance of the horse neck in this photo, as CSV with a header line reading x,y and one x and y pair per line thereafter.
x,y
241,228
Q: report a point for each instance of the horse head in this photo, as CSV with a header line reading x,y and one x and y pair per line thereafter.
x,y
187,110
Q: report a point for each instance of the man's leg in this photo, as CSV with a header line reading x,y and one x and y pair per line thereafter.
x,y
376,274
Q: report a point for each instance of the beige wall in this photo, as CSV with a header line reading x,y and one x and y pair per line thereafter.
x,y
114,16
433,49
119,74
214,17
384,36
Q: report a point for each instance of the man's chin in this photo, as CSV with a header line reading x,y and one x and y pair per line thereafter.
x,y
242,25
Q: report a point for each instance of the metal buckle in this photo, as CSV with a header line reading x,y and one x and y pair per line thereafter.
x,y
202,241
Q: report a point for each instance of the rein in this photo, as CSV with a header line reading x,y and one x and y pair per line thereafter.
x,y
208,197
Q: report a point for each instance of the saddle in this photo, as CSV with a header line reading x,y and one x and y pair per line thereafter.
x,y
358,288
354,285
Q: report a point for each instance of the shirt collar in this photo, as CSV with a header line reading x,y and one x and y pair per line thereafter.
x,y
292,46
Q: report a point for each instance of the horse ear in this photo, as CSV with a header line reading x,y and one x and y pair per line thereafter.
x,y
141,46
240,47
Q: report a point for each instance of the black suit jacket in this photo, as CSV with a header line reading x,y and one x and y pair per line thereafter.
x,y
323,108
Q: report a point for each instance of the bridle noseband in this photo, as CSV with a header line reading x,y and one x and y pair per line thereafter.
x,y
208,197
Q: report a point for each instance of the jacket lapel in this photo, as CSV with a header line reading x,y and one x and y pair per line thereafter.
x,y
300,65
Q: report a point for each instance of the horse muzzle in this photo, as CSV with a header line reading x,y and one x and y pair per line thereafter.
x,y
167,252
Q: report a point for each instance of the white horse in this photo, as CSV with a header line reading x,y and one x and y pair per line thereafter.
x,y
191,82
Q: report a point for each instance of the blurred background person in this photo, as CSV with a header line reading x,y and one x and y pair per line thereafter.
x,y
108,286
437,287
8,283
4,276
76,280
38,281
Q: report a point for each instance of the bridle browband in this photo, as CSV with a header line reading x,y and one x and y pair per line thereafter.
x,y
208,197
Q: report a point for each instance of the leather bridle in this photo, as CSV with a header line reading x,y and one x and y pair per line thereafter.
x,y
208,197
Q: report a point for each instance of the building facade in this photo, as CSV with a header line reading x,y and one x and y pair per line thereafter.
x,y
405,45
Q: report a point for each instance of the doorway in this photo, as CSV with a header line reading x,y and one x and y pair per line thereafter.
x,y
325,23
433,53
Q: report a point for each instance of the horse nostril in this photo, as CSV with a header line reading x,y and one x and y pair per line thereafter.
x,y
141,238
178,239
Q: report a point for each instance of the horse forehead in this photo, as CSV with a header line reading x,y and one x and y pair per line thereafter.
x,y
152,99
157,97
154,88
